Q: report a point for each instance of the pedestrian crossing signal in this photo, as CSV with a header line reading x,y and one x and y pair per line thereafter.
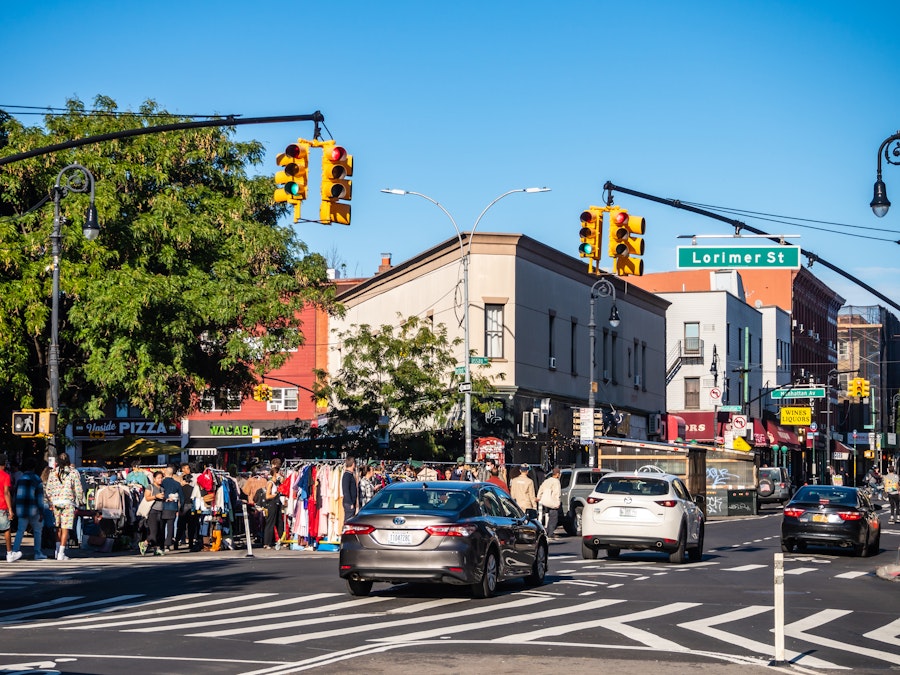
x,y
24,424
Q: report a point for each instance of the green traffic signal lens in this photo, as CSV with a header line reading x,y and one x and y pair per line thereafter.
x,y
292,188
585,249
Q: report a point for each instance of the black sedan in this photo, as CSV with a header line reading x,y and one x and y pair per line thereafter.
x,y
831,515
442,532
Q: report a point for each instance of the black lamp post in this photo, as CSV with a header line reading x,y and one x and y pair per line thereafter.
x,y
73,178
602,288
880,203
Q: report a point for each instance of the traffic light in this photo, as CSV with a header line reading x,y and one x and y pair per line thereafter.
x,y
624,246
24,424
293,176
855,387
262,392
337,167
590,233
863,388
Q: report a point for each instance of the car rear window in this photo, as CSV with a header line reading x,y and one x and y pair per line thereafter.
x,y
419,500
633,486
826,495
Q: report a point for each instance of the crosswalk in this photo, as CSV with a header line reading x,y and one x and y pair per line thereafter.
x,y
353,627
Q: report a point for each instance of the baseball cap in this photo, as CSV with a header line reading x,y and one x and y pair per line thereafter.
x,y
525,467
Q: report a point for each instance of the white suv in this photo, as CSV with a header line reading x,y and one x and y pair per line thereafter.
x,y
643,511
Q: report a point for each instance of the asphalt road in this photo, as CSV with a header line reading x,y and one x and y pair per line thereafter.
x,y
287,612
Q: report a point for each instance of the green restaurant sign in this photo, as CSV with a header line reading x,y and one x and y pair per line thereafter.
x,y
756,257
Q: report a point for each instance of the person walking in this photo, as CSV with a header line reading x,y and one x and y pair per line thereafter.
x,y
6,501
29,511
892,490
66,494
273,506
156,495
548,496
367,485
171,506
349,488
496,480
521,489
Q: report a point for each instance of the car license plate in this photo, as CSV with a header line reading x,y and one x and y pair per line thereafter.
x,y
400,538
819,518
627,512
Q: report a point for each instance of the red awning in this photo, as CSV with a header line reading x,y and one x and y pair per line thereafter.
x,y
699,426
760,438
780,435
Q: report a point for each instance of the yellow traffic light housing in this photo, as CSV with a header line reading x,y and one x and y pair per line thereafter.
x,y
863,388
337,168
293,176
590,233
624,246
262,392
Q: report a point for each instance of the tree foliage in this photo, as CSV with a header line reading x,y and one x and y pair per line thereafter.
x,y
191,287
403,372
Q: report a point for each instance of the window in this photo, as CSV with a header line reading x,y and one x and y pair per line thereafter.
x,y
493,331
208,402
550,344
283,399
692,337
691,393
573,341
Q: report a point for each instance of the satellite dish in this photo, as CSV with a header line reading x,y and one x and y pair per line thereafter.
x,y
757,304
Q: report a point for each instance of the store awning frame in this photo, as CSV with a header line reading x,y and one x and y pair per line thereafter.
x,y
131,447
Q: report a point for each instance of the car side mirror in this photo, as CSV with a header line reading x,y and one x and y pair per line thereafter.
x,y
531,514
699,500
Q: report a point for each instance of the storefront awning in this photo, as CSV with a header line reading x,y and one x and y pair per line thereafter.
x,y
130,446
699,426
779,435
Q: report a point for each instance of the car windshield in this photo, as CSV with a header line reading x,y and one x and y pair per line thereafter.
x,y
428,499
632,485
823,494
773,474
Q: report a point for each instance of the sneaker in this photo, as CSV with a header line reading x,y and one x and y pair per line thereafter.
x,y
12,557
142,547
160,551
62,555
40,556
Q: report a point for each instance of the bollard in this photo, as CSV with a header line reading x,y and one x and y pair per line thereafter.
x,y
779,608
247,536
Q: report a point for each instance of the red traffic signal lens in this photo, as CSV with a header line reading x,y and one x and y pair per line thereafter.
x,y
293,150
620,218
338,153
587,217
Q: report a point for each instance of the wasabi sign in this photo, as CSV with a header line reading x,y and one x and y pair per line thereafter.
x,y
756,257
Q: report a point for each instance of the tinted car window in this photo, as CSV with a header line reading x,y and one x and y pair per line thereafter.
x,y
585,478
564,478
490,504
681,490
510,508
826,495
633,486
418,500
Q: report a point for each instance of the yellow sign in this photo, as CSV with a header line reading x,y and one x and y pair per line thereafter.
x,y
740,444
797,416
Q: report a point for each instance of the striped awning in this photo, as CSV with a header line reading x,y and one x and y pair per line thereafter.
x,y
202,451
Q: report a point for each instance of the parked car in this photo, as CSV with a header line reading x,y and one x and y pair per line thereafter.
x,y
576,485
450,532
774,485
643,511
831,515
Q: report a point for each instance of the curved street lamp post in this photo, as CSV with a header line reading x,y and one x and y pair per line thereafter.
x,y
602,288
880,203
465,250
73,178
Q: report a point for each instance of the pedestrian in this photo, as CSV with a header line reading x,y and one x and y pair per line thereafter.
x,y
461,472
349,490
367,485
188,528
496,480
156,496
6,501
171,506
253,486
273,506
548,496
66,493
892,490
521,488
29,511
138,475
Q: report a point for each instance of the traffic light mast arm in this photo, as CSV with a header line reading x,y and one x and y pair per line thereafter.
x,y
740,225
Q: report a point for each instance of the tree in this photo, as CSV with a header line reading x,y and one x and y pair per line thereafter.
x,y
403,374
191,288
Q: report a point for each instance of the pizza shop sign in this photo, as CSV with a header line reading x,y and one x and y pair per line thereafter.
x,y
105,428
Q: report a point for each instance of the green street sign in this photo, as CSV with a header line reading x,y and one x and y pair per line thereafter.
x,y
460,370
756,257
730,408
479,360
810,392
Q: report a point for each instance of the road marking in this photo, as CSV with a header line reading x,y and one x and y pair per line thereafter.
x,y
82,617
327,634
41,605
889,633
706,627
798,630
422,606
617,624
801,570
743,568
107,601
851,575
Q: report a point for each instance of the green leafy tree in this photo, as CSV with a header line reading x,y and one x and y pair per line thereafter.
x,y
191,288
403,373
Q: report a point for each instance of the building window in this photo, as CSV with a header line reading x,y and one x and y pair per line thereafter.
x,y
493,331
692,393
283,399
644,366
551,346
573,342
209,404
613,362
604,359
692,337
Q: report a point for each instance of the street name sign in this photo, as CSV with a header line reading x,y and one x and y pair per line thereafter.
x,y
479,360
755,257
809,392
731,408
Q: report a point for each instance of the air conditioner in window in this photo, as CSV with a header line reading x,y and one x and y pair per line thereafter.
x,y
527,423
654,423
274,406
553,363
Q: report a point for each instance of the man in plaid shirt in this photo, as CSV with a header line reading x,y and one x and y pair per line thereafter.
x,y
29,510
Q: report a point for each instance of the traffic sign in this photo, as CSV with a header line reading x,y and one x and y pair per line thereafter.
x,y
465,387
739,422
460,370
715,394
731,408
809,392
479,360
756,257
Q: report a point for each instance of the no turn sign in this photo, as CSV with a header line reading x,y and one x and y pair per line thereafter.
x,y
715,394
739,422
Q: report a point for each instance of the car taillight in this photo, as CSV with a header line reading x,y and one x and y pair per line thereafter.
x,y
357,529
793,512
594,500
850,515
451,530
668,502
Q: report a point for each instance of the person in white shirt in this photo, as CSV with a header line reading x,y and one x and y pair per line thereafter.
x,y
548,497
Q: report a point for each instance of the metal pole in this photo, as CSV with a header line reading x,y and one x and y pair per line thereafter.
x,y
779,608
592,332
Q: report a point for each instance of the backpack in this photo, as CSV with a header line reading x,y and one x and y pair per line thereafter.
x,y
259,497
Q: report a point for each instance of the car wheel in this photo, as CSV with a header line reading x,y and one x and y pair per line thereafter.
x,y
613,552
677,556
489,577
876,545
569,524
587,552
787,546
766,487
695,554
576,516
801,546
538,568
359,588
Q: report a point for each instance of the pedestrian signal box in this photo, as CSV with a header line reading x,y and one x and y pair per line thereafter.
x,y
24,424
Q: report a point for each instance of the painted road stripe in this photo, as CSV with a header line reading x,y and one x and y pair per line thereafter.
x,y
743,568
851,575
96,603
889,633
81,617
798,630
802,570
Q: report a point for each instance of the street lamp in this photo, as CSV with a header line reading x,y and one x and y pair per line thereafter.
x,y
465,251
73,178
880,203
602,288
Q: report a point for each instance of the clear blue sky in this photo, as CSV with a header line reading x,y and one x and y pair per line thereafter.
x,y
774,107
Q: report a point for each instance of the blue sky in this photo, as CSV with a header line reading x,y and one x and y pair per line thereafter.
x,y
773,107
